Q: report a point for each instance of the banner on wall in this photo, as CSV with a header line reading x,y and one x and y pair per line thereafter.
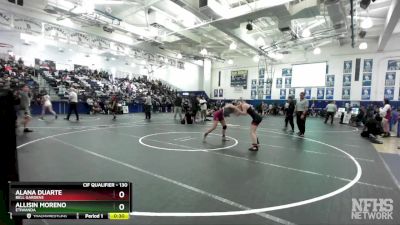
x,y
390,78
307,93
329,93
282,94
221,93
389,93
347,66
346,80
28,25
260,88
268,82
5,18
366,79
253,94
394,64
278,82
288,82
215,93
239,78
100,43
367,66
55,31
320,93
80,38
268,93
286,72
260,93
292,92
330,81
261,73
346,93
366,93
253,83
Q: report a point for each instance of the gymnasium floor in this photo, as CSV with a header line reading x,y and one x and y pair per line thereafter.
x,y
290,180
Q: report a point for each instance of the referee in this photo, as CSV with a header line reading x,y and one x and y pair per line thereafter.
x,y
301,114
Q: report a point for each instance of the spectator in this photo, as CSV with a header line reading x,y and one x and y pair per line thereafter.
x,y
203,108
147,105
386,114
331,109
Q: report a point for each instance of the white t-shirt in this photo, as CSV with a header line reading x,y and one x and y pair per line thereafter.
x,y
383,111
331,107
203,106
47,101
73,97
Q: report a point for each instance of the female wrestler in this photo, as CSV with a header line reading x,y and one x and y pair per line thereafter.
x,y
219,117
248,109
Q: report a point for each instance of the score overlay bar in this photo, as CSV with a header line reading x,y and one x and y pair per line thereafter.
x,y
70,200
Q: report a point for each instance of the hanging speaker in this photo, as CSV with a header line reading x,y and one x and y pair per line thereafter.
x,y
20,2
357,76
219,79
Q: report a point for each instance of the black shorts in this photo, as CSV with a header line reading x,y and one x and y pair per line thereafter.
x,y
256,120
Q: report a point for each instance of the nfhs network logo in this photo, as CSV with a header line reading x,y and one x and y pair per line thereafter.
x,y
372,209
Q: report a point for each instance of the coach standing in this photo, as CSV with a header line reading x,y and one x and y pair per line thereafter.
x,y
301,114
73,104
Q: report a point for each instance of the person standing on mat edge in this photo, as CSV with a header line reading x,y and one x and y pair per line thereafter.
x,y
301,114
114,106
289,111
330,111
147,106
386,114
73,104
24,107
245,109
203,108
178,107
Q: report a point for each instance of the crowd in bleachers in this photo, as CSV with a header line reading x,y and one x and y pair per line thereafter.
x,y
99,85
93,87
14,74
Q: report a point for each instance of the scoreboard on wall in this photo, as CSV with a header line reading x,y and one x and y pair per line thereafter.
x,y
239,78
70,200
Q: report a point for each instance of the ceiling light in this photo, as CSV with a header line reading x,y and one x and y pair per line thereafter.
x,y
113,59
232,46
279,55
133,64
143,61
317,51
256,58
366,23
306,33
363,45
260,41
203,51
365,3
179,56
70,50
166,60
10,53
230,61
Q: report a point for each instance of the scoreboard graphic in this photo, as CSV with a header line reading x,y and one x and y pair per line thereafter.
x,y
70,200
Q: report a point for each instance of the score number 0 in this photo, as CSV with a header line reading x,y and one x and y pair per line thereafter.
x,y
121,206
